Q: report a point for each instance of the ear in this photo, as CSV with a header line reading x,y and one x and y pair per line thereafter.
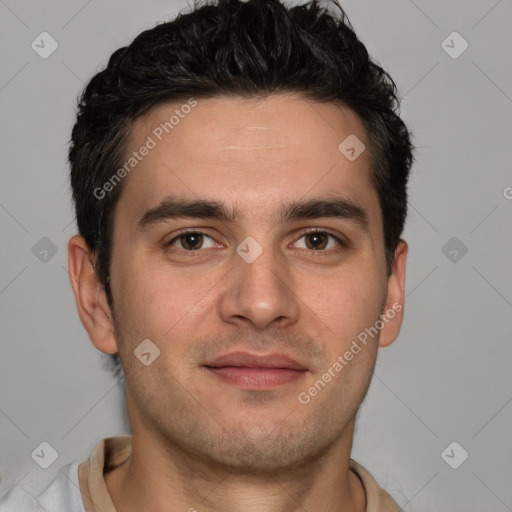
x,y
394,309
90,297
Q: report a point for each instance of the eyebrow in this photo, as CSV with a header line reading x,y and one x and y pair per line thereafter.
x,y
332,207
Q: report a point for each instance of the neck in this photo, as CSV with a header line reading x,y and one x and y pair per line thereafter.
x,y
163,478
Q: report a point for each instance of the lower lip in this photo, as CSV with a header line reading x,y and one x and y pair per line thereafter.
x,y
257,378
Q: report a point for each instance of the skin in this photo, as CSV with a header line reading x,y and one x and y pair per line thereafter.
x,y
198,441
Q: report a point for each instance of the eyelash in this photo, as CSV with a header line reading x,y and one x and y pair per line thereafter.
x,y
320,252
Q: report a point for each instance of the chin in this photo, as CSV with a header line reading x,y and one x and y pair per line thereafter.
x,y
267,453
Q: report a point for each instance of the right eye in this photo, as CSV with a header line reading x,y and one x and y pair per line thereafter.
x,y
190,241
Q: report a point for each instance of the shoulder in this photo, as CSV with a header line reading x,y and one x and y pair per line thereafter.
x,y
61,495
377,499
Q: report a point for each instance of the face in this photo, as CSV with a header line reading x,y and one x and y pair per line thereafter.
x,y
254,293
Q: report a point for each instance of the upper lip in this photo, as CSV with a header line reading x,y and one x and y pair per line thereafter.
x,y
246,359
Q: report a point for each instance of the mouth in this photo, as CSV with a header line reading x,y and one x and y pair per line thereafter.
x,y
252,371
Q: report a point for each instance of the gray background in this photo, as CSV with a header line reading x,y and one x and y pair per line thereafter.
x,y
447,377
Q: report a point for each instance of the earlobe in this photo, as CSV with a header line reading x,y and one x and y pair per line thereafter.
x,y
394,309
90,297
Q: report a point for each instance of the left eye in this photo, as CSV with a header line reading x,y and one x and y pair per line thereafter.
x,y
319,240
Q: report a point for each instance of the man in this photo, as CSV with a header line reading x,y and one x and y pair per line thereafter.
x,y
239,176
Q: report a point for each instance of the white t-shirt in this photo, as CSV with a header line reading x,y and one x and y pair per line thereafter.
x,y
61,495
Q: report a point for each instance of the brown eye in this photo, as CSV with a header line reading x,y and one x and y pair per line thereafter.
x,y
316,241
319,241
191,241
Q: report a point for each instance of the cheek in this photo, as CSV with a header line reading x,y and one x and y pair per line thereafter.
x,y
155,303
148,309
346,302
138,308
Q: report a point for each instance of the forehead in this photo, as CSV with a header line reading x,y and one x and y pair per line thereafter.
x,y
251,153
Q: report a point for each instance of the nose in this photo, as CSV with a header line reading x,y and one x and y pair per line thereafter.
x,y
259,291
